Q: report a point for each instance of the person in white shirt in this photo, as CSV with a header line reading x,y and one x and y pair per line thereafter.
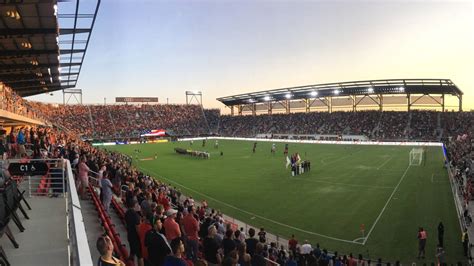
x,y
306,248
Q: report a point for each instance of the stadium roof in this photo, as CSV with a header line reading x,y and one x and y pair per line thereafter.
x,y
338,89
36,55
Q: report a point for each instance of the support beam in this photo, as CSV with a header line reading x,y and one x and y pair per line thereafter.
x,y
307,105
72,31
287,106
232,110
22,32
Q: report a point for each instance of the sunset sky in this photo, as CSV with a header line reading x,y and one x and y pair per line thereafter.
x,y
163,48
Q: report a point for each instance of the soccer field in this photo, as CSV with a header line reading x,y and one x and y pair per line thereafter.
x,y
348,185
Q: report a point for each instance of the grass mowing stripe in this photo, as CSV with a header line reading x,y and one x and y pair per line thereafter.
x,y
339,184
386,204
250,213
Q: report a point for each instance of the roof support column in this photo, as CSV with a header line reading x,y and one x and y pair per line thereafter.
x,y
380,102
442,102
232,110
288,106
329,100
239,109
307,105
460,103
254,109
270,107
354,105
409,102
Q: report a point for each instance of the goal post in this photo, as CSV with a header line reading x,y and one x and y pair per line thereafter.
x,y
416,156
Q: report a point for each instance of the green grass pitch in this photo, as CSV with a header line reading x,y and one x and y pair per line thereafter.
x,y
348,185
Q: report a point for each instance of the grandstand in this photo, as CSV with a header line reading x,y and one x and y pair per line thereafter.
x,y
387,158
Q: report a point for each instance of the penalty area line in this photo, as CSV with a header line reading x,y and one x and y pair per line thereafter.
x,y
250,213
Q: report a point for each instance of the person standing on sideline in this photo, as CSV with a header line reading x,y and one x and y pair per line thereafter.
x,y
465,242
440,234
421,242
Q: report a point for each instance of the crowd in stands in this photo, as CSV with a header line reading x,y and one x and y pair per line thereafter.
x,y
129,121
13,103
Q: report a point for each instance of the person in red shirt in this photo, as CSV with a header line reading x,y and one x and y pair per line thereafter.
x,y
163,200
143,228
292,243
191,230
421,242
172,230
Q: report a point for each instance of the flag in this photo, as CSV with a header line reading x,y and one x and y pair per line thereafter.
x,y
288,162
154,133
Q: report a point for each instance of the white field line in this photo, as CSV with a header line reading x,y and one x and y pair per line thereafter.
x,y
250,213
378,168
386,204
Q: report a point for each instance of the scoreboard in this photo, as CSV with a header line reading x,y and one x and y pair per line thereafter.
x,y
136,99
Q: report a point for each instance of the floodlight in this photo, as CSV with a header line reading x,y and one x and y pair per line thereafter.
x,y
288,95
266,98
336,92
370,90
401,89
313,93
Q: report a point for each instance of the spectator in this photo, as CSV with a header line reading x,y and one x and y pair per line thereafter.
x,y
156,243
177,248
132,221
172,230
211,247
106,191
251,242
191,229
106,248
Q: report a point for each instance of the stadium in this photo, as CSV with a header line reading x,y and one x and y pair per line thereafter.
x,y
366,172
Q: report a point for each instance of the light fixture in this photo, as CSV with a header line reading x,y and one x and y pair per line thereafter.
x,y
401,89
288,95
251,100
370,90
26,45
313,93
336,92
13,14
266,98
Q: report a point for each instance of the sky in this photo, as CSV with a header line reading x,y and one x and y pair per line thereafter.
x,y
163,48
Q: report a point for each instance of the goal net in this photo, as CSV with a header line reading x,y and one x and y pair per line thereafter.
x,y
416,156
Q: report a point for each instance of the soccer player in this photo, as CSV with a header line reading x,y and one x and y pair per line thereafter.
x,y
286,150
191,143
204,142
216,144
254,147
273,148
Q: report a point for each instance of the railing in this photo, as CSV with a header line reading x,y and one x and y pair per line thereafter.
x,y
59,182
77,236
